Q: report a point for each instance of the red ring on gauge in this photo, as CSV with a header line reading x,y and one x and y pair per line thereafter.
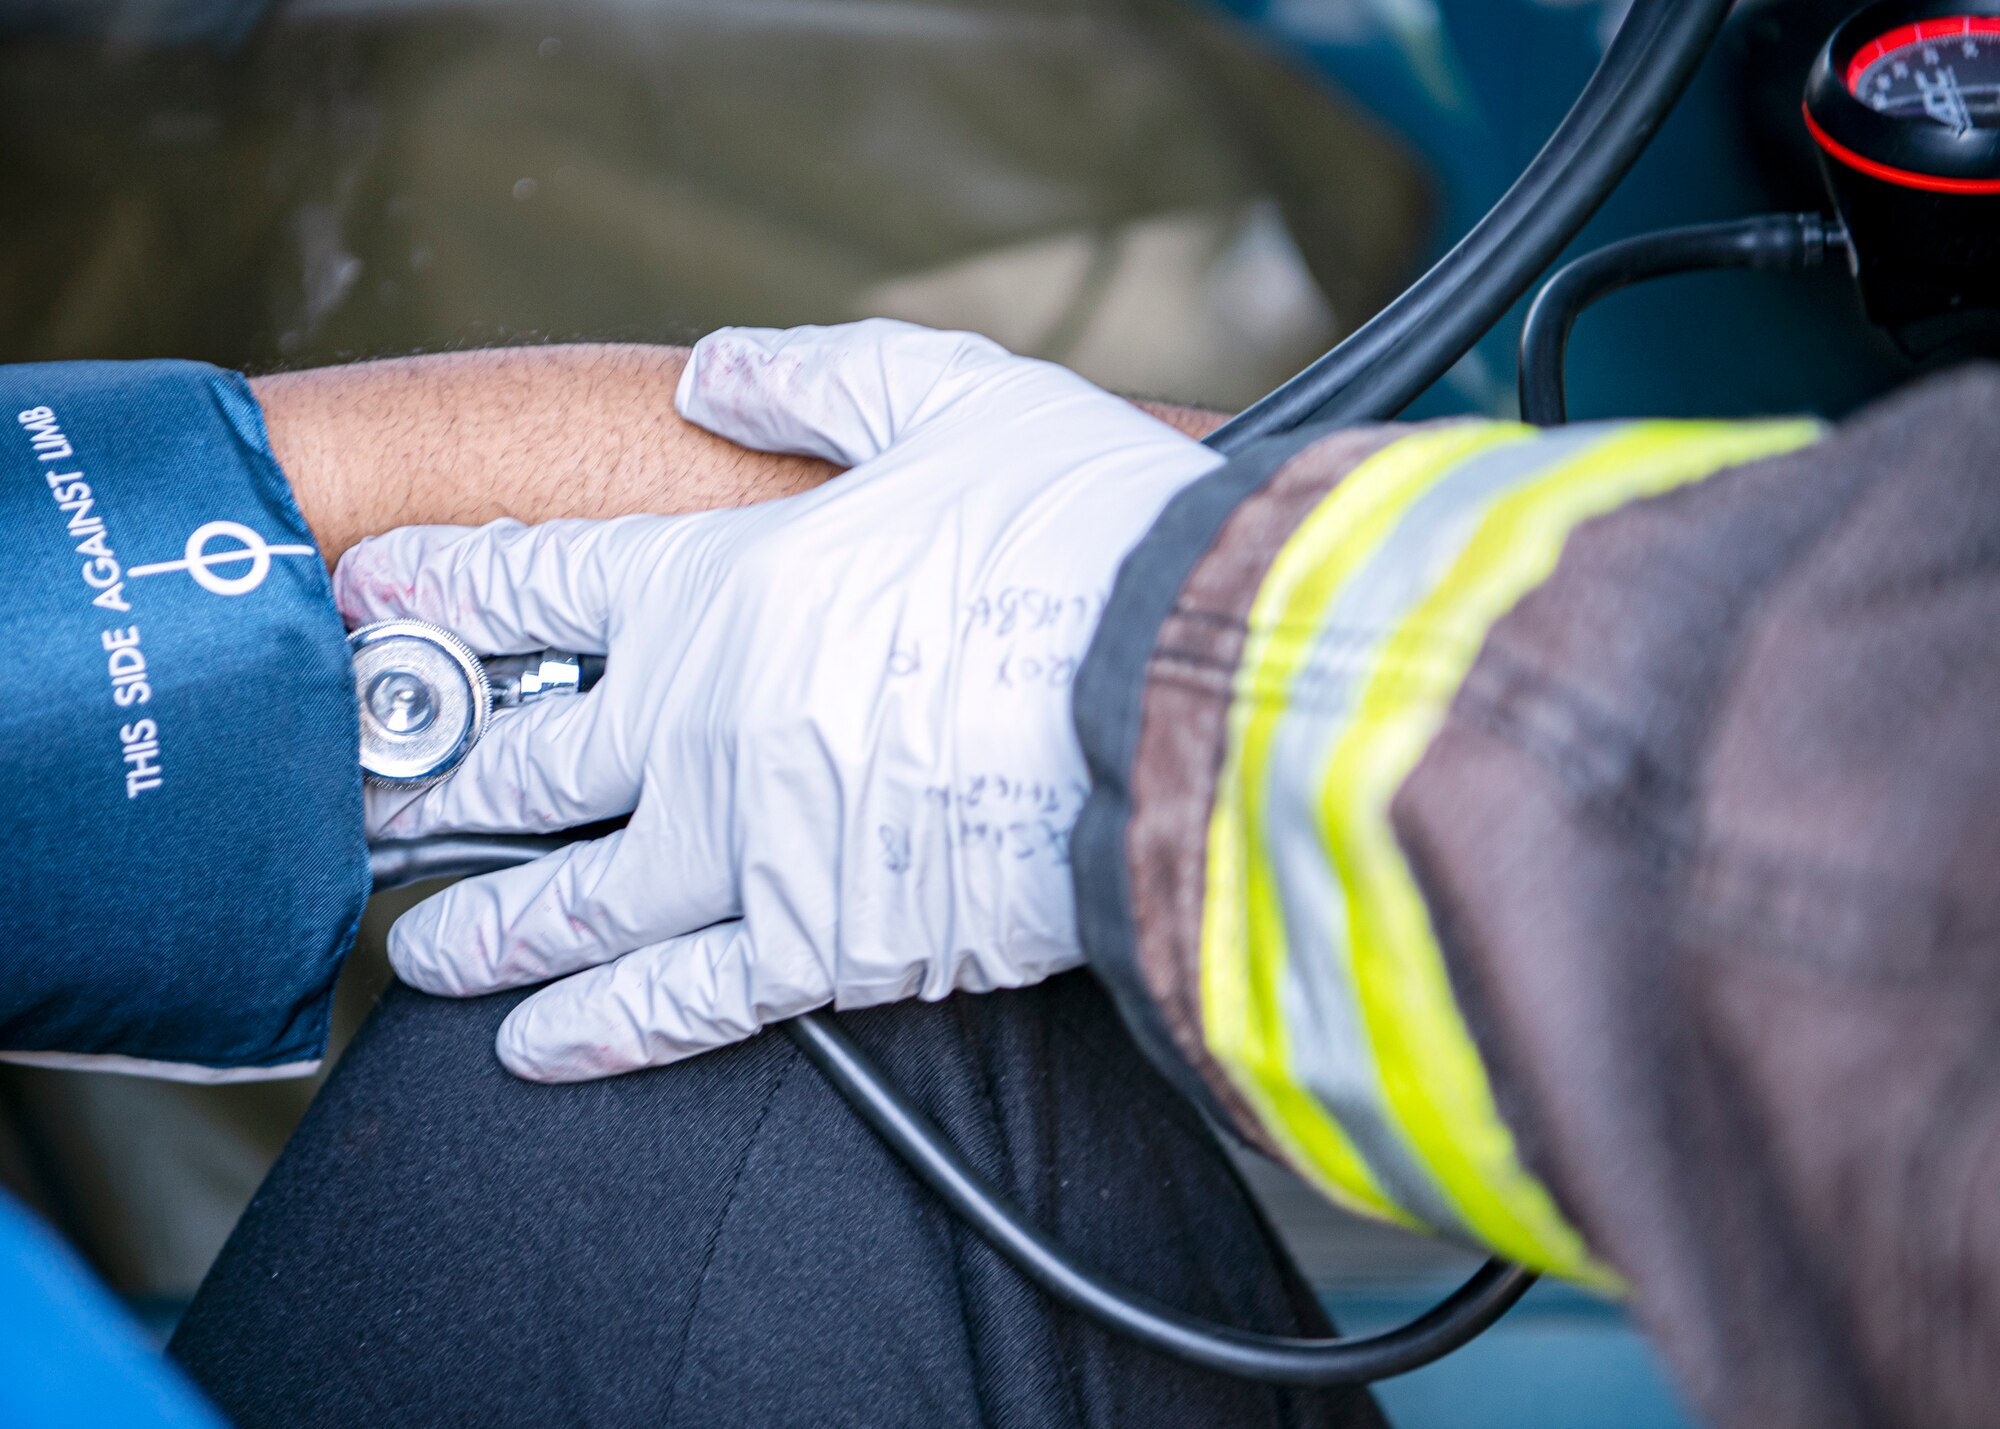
x,y
1903,37
1907,92
1889,173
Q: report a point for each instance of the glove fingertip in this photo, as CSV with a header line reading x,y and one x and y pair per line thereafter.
x,y
375,579
416,959
548,1055
519,1055
412,966
844,394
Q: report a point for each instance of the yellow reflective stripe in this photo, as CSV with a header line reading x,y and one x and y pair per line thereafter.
x,y
1243,931
1430,1069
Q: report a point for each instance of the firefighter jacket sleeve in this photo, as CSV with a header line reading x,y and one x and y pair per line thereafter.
x,y
185,860
1585,844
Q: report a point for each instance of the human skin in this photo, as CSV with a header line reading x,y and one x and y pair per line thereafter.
x,y
536,433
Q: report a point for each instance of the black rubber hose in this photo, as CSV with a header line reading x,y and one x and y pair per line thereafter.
x,y
1391,359
931,1157
1273,1359
1779,242
397,862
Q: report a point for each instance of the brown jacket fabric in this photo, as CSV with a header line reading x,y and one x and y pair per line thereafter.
x,y
1710,841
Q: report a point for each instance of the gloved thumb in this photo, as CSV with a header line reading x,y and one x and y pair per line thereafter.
x,y
847,394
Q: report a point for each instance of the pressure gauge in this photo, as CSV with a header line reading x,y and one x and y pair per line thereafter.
x,y
1904,104
1945,71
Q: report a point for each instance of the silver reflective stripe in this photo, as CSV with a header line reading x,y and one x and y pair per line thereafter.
x,y
1327,1039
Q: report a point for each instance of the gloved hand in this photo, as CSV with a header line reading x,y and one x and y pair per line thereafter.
x,y
840,721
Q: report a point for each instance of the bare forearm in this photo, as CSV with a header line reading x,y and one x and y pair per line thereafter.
x,y
535,433
1196,422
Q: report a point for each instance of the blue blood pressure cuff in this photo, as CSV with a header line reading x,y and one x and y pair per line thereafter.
x,y
184,864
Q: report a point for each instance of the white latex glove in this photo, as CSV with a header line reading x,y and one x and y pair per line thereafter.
x,y
840,721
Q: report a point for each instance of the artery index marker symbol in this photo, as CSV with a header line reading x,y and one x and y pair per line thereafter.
x,y
199,563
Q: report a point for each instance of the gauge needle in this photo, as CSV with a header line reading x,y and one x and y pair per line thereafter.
x,y
1944,101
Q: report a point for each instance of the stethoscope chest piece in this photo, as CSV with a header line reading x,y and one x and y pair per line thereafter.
x,y
424,699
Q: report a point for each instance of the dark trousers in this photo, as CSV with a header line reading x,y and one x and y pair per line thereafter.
x,y
723,1243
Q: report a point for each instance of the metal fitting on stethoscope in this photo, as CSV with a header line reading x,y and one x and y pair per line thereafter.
x,y
426,699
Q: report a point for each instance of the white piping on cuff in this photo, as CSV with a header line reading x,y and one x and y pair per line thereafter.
x,y
159,1071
